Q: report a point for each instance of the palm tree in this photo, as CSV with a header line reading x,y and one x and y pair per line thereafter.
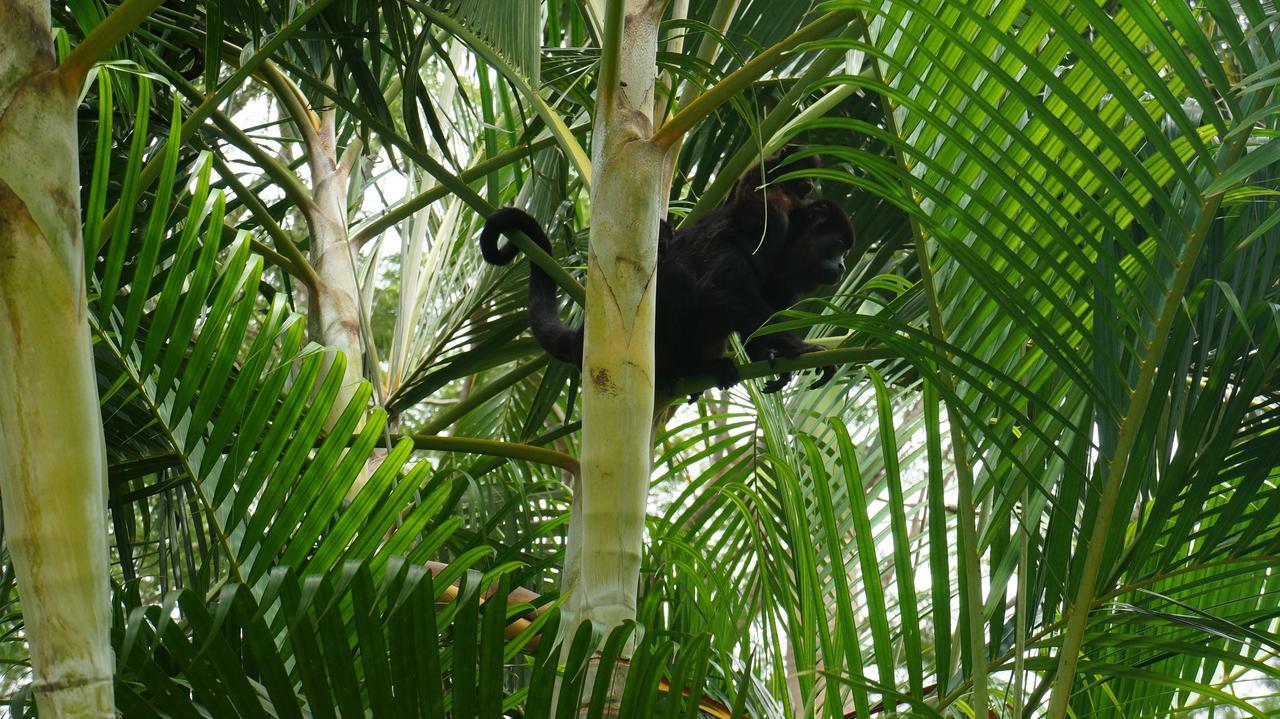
x,y
51,447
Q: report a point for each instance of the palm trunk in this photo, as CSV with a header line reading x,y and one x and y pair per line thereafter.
x,y
52,454
606,527
334,311
606,530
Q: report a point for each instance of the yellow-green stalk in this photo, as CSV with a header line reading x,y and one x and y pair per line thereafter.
x,y
52,455
606,531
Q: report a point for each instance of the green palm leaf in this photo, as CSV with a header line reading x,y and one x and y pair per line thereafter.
x,y
265,484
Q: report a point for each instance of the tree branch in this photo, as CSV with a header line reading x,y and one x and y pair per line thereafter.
x,y
298,262
197,116
755,370
288,181
349,156
374,226
772,132
290,97
577,156
450,181
482,395
494,448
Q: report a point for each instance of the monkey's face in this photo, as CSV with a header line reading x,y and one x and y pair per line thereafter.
x,y
827,264
820,236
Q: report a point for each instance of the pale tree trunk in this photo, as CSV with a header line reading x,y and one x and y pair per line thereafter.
x,y
334,304
606,530
52,453
334,307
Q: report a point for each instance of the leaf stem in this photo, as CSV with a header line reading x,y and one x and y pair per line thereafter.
x,y
1118,465
127,16
195,120
735,82
482,395
372,227
969,552
494,448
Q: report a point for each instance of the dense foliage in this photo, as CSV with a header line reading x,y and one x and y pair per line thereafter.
x,y
1046,479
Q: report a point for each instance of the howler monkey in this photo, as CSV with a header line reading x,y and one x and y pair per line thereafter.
x,y
730,271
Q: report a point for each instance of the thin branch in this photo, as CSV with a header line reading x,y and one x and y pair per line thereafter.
x,y
764,368
275,258
482,395
391,137
230,234
577,156
493,452
288,180
494,448
675,46
611,37
349,157
449,180
1096,551
492,462
298,263
127,16
771,127
374,226
290,97
968,551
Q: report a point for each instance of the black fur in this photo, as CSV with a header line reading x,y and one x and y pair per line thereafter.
x,y
729,272
760,253
559,341
820,236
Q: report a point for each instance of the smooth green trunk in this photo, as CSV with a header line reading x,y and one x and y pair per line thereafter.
x,y
52,457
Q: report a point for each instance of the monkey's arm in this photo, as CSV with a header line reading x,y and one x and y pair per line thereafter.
x,y
743,305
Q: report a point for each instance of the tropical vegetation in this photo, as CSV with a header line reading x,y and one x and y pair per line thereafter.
x,y
275,441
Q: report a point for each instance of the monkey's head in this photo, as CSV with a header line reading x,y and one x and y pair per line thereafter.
x,y
818,239
782,197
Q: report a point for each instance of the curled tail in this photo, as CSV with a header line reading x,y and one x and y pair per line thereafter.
x,y
555,337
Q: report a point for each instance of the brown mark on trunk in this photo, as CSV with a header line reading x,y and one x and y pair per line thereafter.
x,y
603,382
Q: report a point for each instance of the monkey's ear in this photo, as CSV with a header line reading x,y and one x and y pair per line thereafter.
x,y
784,161
780,157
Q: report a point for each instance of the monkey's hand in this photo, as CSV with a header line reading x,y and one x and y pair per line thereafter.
x,y
794,350
827,373
725,372
777,383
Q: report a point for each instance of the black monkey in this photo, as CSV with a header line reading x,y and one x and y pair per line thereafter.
x,y
819,237
760,253
728,272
